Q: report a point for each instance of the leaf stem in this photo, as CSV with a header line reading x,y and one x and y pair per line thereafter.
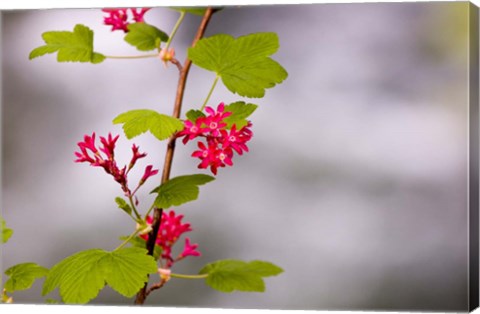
x,y
127,240
130,198
188,276
210,92
174,30
149,210
133,57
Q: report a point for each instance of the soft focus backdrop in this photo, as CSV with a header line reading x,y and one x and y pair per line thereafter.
x,y
356,179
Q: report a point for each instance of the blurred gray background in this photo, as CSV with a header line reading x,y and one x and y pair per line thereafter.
x,y
356,179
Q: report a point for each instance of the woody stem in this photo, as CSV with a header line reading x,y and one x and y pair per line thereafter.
x,y
157,214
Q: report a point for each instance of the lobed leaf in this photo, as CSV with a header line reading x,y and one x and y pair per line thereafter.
x,y
76,46
180,190
6,232
230,275
243,63
22,276
240,112
81,276
136,122
126,270
145,37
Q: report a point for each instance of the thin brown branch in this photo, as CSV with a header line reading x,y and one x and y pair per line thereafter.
x,y
156,286
178,64
167,166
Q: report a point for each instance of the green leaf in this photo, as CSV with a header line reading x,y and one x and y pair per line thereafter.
x,y
126,270
81,276
180,190
230,275
145,37
122,204
243,63
6,232
141,243
76,46
192,10
136,122
193,115
240,112
22,276
264,269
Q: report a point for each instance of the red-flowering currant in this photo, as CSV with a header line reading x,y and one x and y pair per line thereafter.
x,y
89,153
220,143
119,19
170,230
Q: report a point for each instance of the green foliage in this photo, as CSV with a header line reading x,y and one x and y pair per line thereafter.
x,y
145,37
6,232
141,243
76,46
240,112
180,190
122,204
22,276
230,275
243,63
136,122
81,276
193,115
193,10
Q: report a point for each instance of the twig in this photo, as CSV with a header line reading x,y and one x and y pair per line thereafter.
x,y
156,286
157,214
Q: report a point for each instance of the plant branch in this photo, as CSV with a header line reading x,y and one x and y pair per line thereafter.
x,y
156,286
157,215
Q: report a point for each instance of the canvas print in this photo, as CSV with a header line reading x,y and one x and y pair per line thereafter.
x,y
311,157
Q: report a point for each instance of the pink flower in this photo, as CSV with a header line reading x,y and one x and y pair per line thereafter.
x,y
192,130
214,121
119,19
136,156
171,229
148,173
138,15
236,139
108,145
104,157
212,156
190,249
220,143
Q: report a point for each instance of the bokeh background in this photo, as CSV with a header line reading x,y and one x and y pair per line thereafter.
x,y
356,183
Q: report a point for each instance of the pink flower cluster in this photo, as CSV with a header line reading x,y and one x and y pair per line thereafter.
x,y
93,155
171,229
220,143
119,19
